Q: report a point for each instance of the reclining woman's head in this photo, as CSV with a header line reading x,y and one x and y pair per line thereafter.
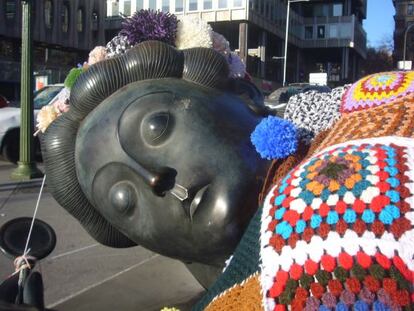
x,y
155,150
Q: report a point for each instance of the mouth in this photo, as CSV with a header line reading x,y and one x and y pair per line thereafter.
x,y
190,206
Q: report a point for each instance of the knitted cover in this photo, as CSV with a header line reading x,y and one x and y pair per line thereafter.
x,y
313,112
337,232
378,89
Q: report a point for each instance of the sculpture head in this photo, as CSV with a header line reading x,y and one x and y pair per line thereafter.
x,y
156,151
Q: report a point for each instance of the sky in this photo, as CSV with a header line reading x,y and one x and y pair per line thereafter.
x,y
380,21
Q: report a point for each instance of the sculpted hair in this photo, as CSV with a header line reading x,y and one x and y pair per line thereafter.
x,y
147,60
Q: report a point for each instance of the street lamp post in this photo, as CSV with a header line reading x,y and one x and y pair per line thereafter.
x,y
26,168
405,43
287,37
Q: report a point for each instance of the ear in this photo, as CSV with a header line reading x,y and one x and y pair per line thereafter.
x,y
252,96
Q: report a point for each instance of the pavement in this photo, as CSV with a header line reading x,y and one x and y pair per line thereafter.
x,y
81,274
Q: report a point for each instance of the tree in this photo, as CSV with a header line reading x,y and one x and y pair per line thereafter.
x,y
379,58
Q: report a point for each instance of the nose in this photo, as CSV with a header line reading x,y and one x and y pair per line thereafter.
x,y
160,180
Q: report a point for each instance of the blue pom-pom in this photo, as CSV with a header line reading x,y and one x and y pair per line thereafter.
x,y
274,138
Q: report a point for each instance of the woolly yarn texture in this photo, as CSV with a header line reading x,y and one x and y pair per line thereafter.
x,y
377,89
393,118
313,112
339,222
336,231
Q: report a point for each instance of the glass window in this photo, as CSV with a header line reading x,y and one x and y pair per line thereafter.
x,y
321,10
10,9
152,4
48,12
410,9
114,5
178,5
140,5
238,3
308,32
65,17
333,31
127,7
192,5
165,5
321,32
222,4
337,9
95,20
207,4
79,21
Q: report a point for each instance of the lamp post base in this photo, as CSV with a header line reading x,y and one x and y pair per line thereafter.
x,y
26,171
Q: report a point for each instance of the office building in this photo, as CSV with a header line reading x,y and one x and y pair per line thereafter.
x,y
404,17
64,31
324,36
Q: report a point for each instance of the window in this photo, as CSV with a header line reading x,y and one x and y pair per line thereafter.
x,y
140,5
152,4
308,32
238,3
337,9
165,5
333,31
95,20
178,5
321,32
127,7
79,21
410,9
207,4
321,10
65,17
112,8
10,9
192,5
48,12
222,4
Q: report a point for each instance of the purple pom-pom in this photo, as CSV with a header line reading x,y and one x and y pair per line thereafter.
x,y
147,25
274,138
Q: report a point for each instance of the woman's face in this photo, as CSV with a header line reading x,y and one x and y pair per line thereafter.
x,y
170,165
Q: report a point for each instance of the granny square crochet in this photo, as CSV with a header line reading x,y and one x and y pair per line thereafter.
x,y
338,229
377,89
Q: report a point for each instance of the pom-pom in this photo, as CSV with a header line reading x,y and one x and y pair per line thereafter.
x,y
71,78
147,25
220,43
96,55
46,116
117,46
193,32
274,138
236,66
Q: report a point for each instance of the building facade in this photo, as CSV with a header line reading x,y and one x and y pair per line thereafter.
x,y
325,36
404,17
64,31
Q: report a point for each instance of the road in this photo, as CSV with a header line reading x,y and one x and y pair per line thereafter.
x,y
82,275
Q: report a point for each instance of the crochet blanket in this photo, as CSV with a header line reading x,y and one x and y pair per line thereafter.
x,y
337,231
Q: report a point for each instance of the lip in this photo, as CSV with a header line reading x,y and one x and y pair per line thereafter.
x,y
191,207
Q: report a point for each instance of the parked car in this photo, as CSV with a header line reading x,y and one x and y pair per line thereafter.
x,y
10,123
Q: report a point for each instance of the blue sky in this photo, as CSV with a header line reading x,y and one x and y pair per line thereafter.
x,y
380,21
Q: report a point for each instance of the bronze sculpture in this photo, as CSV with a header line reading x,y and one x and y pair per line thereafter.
x,y
155,150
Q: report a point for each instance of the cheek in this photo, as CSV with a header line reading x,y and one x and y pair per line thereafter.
x,y
115,192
